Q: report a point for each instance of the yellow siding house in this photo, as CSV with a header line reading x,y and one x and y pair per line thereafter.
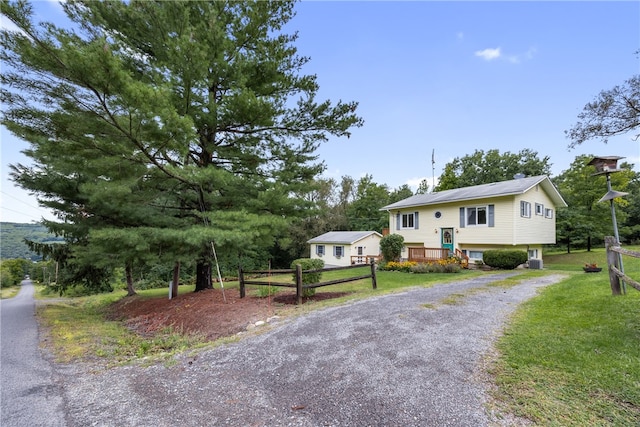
x,y
515,214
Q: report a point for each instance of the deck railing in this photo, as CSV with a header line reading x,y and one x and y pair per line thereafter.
x,y
365,259
417,254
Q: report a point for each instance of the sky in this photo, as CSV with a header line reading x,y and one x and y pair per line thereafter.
x,y
442,79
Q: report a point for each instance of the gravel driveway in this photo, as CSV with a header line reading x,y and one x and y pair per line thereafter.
x,y
403,359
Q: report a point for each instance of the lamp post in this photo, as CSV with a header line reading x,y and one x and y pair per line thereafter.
x,y
606,166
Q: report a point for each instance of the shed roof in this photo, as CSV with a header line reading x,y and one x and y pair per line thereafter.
x,y
343,237
484,191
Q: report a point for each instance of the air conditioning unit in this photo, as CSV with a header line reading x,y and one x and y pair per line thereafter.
x,y
535,264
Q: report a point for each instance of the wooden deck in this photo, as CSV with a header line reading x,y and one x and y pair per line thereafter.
x,y
422,255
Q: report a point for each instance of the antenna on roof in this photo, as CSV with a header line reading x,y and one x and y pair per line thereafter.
x,y
519,176
433,169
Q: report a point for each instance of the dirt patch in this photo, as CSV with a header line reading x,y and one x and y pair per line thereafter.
x,y
210,313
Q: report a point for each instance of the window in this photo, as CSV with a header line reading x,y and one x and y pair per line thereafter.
x,y
360,250
477,215
408,220
539,209
525,209
533,253
338,251
475,254
320,250
548,213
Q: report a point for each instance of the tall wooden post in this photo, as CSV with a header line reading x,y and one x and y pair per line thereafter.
x,y
241,280
298,284
613,260
374,281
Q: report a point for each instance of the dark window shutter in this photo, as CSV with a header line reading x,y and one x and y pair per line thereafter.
x,y
398,218
462,217
491,215
415,221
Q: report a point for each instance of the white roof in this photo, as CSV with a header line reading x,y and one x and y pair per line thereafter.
x,y
484,191
343,237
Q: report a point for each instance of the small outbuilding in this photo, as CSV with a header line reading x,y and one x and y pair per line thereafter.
x,y
343,248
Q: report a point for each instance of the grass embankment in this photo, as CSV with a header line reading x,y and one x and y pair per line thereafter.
x,y
571,356
9,291
79,330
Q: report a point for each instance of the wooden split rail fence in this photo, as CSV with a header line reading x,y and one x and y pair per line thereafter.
x,y
614,260
298,278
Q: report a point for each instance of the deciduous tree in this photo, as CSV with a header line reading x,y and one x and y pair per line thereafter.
x,y
613,112
484,168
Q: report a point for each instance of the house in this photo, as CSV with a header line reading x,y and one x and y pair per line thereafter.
x,y
342,248
515,214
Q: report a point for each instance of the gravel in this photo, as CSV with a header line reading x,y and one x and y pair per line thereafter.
x,y
404,359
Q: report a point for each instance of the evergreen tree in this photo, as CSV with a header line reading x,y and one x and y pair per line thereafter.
x,y
186,124
364,212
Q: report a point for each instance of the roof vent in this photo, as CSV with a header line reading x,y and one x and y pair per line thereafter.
x,y
518,176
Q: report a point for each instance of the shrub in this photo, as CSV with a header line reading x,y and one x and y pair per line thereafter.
x,y
449,265
398,266
391,247
267,291
311,277
504,259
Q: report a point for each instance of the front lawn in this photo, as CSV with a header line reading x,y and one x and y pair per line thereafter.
x,y
571,356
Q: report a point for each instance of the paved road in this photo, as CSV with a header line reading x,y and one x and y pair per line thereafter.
x,y
28,391
406,359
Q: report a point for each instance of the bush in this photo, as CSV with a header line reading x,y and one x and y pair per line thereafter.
x,y
449,265
267,291
504,259
391,247
397,266
308,278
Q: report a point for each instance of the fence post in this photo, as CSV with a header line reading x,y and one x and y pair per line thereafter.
x,y
298,284
241,280
374,281
613,259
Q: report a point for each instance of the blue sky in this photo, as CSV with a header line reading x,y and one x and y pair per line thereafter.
x,y
449,77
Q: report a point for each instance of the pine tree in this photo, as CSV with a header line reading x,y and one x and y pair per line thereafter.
x,y
184,123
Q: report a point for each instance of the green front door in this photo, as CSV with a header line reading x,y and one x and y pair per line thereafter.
x,y
447,239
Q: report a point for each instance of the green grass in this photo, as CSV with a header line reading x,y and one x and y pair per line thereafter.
x,y
9,291
78,330
571,356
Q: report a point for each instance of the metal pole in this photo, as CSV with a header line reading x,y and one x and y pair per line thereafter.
x,y
615,232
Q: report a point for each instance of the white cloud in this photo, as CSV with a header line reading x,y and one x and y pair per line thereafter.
x,y
528,55
489,54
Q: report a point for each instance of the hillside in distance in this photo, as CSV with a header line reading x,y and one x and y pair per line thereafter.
x,y
12,236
